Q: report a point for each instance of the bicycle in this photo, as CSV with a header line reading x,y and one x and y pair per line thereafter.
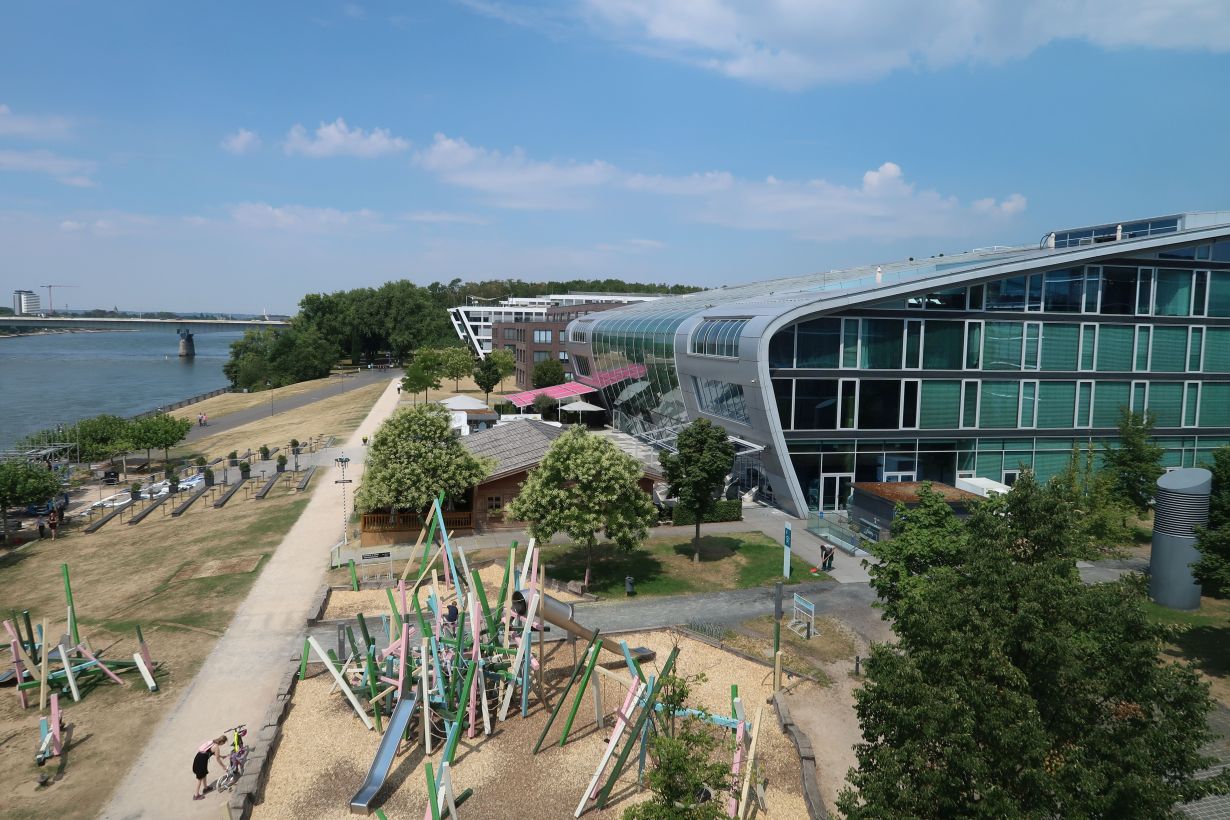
x,y
238,759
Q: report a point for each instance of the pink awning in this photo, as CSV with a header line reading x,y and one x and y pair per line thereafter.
x,y
559,392
606,378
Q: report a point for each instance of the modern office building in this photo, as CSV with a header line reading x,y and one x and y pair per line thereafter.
x,y
473,321
25,303
976,364
535,340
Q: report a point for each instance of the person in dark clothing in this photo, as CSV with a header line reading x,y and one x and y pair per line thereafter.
x,y
200,763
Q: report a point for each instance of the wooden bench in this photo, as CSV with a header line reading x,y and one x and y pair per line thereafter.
x,y
226,496
215,461
99,523
307,477
264,491
183,508
139,517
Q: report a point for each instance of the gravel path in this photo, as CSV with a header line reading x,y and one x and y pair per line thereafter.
x,y
240,677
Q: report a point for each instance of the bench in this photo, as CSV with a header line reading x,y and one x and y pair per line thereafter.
x,y
139,517
307,477
183,508
99,523
226,496
215,461
264,491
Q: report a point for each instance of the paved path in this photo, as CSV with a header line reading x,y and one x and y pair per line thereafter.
x,y
239,679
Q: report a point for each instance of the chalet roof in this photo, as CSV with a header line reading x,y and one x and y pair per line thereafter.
x,y
515,446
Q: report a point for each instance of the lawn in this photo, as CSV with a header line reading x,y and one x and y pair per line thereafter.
x,y
664,566
1205,640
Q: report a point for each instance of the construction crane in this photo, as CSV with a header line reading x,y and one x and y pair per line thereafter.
x,y
51,308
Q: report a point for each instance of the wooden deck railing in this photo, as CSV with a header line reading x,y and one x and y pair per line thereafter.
x,y
397,522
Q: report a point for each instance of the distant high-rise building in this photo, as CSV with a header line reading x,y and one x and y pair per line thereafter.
x,y
25,302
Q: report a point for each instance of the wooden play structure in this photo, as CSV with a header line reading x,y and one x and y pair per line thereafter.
x,y
457,661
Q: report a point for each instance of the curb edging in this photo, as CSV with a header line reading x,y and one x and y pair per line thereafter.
x,y
807,759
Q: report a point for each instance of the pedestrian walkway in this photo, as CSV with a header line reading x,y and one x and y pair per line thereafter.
x,y
240,677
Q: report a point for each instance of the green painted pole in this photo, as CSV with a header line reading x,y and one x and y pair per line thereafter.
x,y
372,687
512,559
303,659
68,596
354,578
576,704
559,703
482,602
432,799
634,737
394,610
367,638
34,656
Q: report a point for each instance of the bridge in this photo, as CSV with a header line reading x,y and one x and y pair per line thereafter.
x,y
185,328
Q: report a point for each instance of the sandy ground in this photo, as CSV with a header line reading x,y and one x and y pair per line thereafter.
x,y
239,678
314,779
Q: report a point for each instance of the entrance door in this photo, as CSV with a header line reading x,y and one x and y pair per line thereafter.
x,y
896,477
836,491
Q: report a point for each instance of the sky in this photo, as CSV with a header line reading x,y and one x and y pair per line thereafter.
x,y
232,156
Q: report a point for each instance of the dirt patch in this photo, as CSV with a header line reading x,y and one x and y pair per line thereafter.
x,y
311,779
226,566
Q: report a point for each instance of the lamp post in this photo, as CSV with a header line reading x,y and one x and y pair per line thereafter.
x,y
342,461
269,387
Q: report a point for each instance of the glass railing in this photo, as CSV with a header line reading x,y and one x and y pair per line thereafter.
x,y
844,537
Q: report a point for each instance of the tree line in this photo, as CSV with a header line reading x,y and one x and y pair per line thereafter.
x,y
393,320
106,436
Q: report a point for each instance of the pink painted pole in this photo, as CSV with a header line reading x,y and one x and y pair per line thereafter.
x,y
401,667
732,803
99,664
55,724
621,720
21,672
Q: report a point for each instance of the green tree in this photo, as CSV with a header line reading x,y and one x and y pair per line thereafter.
x,y
1213,540
1101,516
505,361
431,360
486,376
545,406
1136,463
163,431
22,484
456,365
417,380
1015,690
583,486
412,458
688,758
697,472
278,357
547,373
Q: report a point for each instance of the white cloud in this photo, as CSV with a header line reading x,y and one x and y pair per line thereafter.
x,y
443,218
336,139
33,127
241,142
262,216
884,205
513,180
801,44
66,170
108,224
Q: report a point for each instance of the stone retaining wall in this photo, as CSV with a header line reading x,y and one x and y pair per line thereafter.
x,y
807,757
265,738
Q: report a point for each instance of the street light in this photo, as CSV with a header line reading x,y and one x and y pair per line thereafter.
x,y
269,387
342,461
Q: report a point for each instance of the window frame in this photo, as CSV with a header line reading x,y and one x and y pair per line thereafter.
x,y
1020,408
977,385
917,383
1088,330
841,392
1147,332
1188,387
969,325
1076,411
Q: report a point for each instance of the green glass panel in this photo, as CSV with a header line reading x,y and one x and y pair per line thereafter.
x,y
1174,292
1191,401
973,346
1143,335
1029,405
1139,393
942,342
1214,406
1088,338
1047,465
819,343
941,404
1115,347
1002,347
969,408
1166,403
1032,333
991,465
881,344
1084,398
849,352
1194,349
913,343
1219,293
1169,350
998,407
1056,401
1217,350
1060,346
1108,398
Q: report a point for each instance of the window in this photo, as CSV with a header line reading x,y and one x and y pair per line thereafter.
x,y
781,348
1200,293
819,343
1093,289
1219,291
1035,293
1144,333
973,345
1115,344
942,344
1006,294
783,393
941,404
1215,404
541,355
1217,350
1002,347
909,404
815,404
969,403
718,398
1108,399
581,365
1056,401
1191,403
510,333
849,343
880,344
847,403
1166,403
879,406
1144,291
1140,397
999,404
1065,290
1060,346
1029,404
1173,293
495,505
717,337
1118,291
951,299
913,344
1033,334
542,337
977,295
579,334
1084,404
1195,349
1169,349
563,355
1089,346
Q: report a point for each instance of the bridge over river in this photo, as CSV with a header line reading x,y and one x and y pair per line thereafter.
x,y
186,329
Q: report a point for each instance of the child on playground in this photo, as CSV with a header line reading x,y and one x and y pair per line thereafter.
x,y
200,763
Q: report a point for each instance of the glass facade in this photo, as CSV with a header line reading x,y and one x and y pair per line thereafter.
x,y
717,337
722,399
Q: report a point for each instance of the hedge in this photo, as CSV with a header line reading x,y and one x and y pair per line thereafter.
x,y
724,510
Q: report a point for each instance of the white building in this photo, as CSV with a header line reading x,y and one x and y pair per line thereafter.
x,y
473,321
25,303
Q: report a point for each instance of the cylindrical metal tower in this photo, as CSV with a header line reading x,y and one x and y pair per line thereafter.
x,y
1182,504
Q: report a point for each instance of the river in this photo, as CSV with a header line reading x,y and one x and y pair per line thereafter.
x,y
58,378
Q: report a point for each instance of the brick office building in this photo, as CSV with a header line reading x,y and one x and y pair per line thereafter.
x,y
536,340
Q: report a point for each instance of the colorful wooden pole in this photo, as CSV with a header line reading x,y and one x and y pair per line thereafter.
x,y
68,596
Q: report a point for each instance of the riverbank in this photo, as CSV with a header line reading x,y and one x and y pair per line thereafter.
x,y
58,331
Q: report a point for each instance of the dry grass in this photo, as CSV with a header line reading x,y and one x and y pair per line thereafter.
x,y
181,579
314,779
833,641
228,403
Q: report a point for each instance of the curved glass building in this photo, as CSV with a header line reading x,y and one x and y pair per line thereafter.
x,y
976,364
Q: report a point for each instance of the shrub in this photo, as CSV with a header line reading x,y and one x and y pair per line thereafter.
x,y
135,489
233,455
200,461
264,451
281,460
209,477
294,442
724,510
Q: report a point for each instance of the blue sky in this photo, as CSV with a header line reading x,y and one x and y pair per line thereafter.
x,y
233,156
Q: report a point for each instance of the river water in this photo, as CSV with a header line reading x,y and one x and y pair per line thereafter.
x,y
61,377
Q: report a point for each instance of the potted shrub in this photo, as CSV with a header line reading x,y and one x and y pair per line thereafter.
x,y
281,463
245,469
135,490
294,446
209,477
200,461
264,450
232,458
173,481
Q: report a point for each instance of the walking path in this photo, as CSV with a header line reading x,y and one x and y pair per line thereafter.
x,y
239,679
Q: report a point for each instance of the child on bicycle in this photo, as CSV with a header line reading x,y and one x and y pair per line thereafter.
x,y
200,763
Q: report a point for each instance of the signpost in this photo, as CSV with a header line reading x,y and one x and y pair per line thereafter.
x,y
786,554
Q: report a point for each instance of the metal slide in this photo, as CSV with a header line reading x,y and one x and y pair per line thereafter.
x,y
558,613
399,721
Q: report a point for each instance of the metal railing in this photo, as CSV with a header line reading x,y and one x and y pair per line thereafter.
x,y
841,536
184,402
